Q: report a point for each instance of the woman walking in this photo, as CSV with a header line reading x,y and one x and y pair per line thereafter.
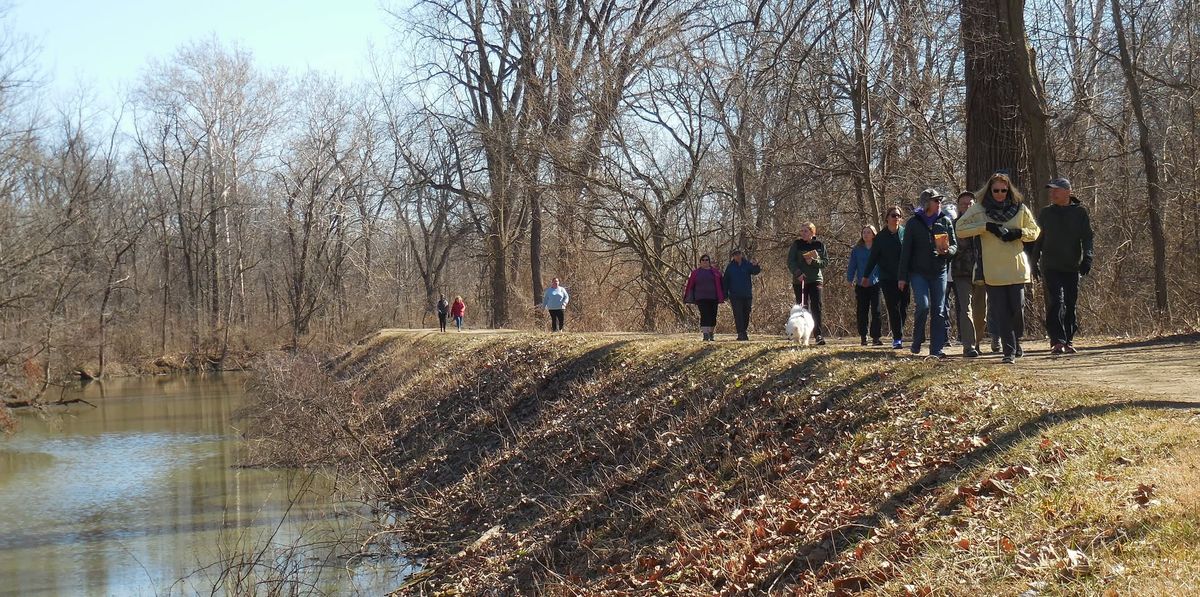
x,y
458,311
885,258
554,301
866,287
806,259
703,289
1003,224
443,307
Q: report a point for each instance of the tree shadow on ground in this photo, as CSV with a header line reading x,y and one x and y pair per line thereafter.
x,y
812,555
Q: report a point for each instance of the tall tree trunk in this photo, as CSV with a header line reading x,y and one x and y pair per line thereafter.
x,y
1158,237
1005,107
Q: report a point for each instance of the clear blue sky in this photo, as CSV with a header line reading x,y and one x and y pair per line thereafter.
x,y
107,44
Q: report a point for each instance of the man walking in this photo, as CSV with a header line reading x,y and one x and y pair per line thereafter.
x,y
970,298
739,289
1061,256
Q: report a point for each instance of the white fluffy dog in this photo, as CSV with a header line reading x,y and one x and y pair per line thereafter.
x,y
799,325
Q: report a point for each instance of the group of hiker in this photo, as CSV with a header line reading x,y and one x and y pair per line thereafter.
x,y
973,249
554,301
982,249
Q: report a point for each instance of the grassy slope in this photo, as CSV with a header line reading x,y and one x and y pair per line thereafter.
x,y
589,464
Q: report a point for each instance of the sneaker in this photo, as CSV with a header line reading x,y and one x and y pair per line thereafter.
x,y
820,341
940,355
1058,348
915,350
864,341
877,342
995,344
1020,352
1008,359
970,353
897,344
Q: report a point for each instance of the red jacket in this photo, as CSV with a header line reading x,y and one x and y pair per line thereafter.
x,y
691,284
458,309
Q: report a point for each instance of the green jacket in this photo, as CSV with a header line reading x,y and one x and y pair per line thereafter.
x,y
797,265
1066,237
885,253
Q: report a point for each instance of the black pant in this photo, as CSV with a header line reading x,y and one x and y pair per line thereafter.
x,y
442,321
812,292
1062,294
897,306
1006,315
867,301
741,315
557,317
708,312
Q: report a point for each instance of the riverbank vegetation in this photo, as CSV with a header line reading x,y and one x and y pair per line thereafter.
x,y
634,465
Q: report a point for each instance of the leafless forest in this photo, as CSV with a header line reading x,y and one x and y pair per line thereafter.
x,y
608,143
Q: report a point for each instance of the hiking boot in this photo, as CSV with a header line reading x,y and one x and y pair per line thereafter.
x,y
995,344
877,342
820,341
941,356
1058,348
970,353
864,341
1069,349
1008,359
1019,352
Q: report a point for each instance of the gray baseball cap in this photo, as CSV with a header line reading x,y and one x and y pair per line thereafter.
x,y
930,194
1059,183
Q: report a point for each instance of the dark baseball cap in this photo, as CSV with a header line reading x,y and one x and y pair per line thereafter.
x,y
1059,183
930,194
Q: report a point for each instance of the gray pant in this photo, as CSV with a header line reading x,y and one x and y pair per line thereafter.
x,y
1006,315
970,301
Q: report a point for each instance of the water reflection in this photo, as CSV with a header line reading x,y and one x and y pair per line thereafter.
x,y
131,496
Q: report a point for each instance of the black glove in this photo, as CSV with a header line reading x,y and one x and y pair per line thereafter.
x,y
1011,234
1085,266
1037,271
997,229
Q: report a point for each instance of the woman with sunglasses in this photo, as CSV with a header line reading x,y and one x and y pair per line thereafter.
x,y
703,289
885,253
1003,224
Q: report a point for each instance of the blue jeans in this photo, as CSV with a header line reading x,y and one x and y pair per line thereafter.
x,y
929,296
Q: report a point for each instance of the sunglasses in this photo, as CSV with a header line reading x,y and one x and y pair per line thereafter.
x,y
1001,191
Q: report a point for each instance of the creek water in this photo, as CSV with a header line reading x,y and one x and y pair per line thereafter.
x,y
141,495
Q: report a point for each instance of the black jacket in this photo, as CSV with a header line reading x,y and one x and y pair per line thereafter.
x,y
918,253
885,253
1066,237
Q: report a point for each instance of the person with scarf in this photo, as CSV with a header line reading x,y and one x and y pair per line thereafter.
x,y
929,245
1003,223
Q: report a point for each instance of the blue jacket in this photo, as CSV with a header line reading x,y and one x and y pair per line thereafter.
x,y
856,266
737,280
555,298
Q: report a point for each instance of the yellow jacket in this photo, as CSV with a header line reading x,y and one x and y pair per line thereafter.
x,y
1003,263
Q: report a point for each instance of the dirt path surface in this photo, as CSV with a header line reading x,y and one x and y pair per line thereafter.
x,y
1165,368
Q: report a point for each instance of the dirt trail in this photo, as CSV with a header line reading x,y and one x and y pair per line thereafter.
x,y
1163,368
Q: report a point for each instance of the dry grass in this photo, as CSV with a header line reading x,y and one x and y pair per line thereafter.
x,y
581,464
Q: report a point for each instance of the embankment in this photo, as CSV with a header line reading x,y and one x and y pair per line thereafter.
x,y
591,464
